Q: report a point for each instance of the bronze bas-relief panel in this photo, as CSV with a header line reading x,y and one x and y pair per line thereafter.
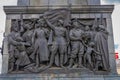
x,y
55,41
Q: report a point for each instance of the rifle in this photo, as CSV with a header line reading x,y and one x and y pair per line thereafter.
x,y
21,23
68,27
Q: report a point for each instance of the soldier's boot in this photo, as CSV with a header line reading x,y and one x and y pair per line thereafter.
x,y
51,60
12,67
17,68
37,62
80,62
61,61
71,63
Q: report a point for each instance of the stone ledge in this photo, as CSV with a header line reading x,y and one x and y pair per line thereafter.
x,y
57,77
74,9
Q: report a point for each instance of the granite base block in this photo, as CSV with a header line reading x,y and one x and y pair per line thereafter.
x,y
57,77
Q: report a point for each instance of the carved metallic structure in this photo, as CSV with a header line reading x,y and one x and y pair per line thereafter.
x,y
56,39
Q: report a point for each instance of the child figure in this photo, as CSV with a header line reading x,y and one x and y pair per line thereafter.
x,y
90,49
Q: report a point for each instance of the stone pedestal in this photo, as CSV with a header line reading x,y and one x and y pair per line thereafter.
x,y
83,9
83,12
57,77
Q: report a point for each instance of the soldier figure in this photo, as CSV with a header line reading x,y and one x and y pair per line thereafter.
x,y
77,48
60,41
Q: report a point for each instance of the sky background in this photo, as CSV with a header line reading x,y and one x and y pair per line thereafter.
x,y
115,19
112,1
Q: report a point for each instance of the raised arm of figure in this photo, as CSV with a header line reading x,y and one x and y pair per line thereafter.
x,y
49,24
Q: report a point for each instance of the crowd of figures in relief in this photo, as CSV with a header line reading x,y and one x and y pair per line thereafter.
x,y
57,40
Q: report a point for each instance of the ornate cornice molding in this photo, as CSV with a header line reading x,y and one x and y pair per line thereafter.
x,y
74,9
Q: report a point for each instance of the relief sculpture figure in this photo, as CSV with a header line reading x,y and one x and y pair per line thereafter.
x,y
101,44
27,36
17,50
77,48
12,43
22,58
88,54
59,44
41,52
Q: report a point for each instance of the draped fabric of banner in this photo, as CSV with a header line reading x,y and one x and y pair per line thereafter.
x,y
56,14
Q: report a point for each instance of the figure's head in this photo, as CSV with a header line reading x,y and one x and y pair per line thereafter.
x,y
101,27
27,25
91,44
41,22
87,28
37,25
15,26
75,23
